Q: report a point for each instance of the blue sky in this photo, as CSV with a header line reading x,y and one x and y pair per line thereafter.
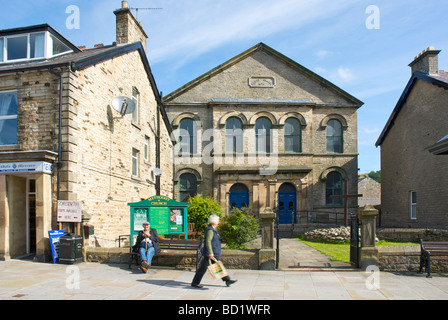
x,y
189,37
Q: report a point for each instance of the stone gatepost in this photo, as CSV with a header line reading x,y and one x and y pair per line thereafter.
x,y
267,254
368,253
85,238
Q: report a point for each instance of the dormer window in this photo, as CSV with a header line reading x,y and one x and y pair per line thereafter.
x,y
30,46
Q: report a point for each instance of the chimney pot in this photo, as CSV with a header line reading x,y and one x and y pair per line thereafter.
x,y
426,61
128,29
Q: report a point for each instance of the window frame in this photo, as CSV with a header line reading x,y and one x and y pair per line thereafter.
x,y
298,136
192,139
189,191
46,54
136,98
12,117
48,46
237,136
338,201
267,134
146,149
340,138
413,205
135,163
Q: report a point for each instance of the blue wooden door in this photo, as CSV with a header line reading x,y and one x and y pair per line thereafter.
x,y
287,204
239,196
238,200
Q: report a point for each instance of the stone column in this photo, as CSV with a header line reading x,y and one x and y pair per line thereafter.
x,y
4,220
368,253
267,254
43,217
86,241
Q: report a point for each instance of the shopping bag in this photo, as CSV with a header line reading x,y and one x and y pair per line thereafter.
x,y
217,269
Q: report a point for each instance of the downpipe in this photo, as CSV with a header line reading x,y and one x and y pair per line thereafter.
x,y
59,163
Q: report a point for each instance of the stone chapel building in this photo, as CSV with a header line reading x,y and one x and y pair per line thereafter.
x,y
260,130
61,140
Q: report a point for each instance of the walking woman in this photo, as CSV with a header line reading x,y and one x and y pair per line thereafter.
x,y
212,249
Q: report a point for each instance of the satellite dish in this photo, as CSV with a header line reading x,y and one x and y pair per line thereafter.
x,y
157,172
123,105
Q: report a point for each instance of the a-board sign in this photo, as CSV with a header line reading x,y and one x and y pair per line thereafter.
x,y
167,216
69,211
54,236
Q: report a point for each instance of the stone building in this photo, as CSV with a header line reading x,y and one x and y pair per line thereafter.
x,y
414,172
60,139
370,190
260,130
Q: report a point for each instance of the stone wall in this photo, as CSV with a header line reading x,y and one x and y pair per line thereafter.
x,y
399,258
232,259
99,152
407,166
411,235
406,259
306,170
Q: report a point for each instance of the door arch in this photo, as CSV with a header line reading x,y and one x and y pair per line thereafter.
x,y
287,203
239,196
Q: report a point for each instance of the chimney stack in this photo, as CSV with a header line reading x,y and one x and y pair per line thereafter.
x,y
129,30
427,61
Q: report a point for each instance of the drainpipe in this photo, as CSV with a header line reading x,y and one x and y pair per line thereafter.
x,y
59,163
158,144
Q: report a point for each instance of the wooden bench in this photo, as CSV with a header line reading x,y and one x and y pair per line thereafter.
x,y
192,234
171,248
432,251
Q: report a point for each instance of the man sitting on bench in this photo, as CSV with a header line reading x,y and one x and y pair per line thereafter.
x,y
148,245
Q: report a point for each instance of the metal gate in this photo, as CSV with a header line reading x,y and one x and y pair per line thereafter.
x,y
354,240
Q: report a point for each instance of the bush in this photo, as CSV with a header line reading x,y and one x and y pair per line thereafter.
x,y
237,228
200,210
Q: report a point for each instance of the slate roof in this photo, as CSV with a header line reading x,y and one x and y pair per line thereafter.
x,y
440,80
81,59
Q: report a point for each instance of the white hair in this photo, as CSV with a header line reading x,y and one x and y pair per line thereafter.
x,y
213,219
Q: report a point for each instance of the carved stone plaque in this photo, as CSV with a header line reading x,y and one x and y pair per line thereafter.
x,y
261,82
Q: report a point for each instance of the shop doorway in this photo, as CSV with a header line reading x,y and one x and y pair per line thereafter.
x,y
31,216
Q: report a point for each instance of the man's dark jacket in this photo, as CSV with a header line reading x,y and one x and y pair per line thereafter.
x,y
154,239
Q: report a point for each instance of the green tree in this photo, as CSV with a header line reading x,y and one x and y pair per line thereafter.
x,y
200,210
375,175
237,228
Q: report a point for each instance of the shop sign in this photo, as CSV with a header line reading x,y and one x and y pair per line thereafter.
x,y
26,167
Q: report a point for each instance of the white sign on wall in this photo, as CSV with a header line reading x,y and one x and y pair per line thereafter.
x,y
69,211
26,167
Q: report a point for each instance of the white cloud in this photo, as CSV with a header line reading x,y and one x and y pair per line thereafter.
x,y
345,74
321,54
339,75
184,35
371,131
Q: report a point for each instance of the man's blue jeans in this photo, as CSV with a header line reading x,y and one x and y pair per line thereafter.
x,y
146,254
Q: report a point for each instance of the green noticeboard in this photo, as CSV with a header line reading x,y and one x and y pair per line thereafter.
x,y
167,216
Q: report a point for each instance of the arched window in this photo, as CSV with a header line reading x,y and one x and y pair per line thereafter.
x,y
334,136
293,135
263,136
334,188
187,136
188,186
234,135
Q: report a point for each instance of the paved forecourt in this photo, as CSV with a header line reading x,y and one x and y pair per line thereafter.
x,y
25,280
